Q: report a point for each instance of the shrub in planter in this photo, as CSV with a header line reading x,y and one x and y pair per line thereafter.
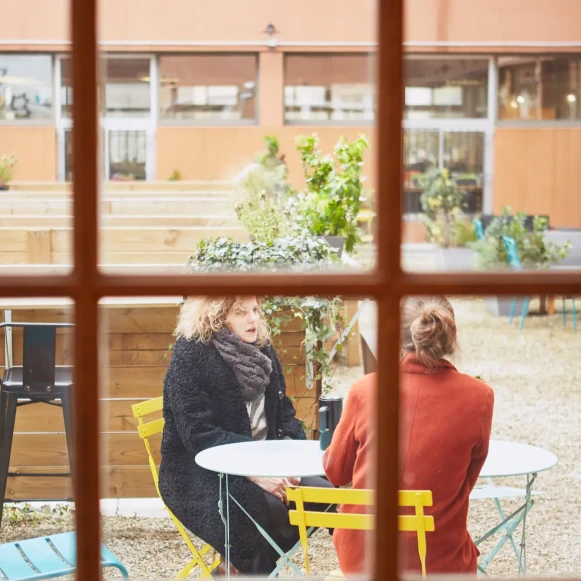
x,y
533,248
443,205
330,203
263,207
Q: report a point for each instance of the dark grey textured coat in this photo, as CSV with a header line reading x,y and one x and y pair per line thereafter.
x,y
203,407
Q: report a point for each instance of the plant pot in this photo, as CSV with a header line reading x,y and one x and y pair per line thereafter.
x,y
337,242
500,306
457,259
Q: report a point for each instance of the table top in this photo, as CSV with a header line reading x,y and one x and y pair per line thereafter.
x,y
59,302
285,458
515,459
267,458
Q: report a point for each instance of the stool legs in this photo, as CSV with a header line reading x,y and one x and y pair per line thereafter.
x,y
67,407
7,416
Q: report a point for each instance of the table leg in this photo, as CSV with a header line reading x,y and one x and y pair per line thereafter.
x,y
503,518
509,524
551,305
226,520
522,563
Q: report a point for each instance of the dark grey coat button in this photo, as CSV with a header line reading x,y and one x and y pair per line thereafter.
x,y
280,395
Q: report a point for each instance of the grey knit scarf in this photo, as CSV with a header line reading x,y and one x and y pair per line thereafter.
x,y
252,369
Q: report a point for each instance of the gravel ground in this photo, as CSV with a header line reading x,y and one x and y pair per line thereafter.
x,y
537,384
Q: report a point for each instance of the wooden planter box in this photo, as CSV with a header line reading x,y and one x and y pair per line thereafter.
x,y
135,356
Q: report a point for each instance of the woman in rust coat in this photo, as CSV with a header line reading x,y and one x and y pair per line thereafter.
x,y
445,417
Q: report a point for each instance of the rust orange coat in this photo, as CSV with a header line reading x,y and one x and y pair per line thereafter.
x,y
445,430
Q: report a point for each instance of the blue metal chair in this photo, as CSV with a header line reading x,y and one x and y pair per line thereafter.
x,y
573,312
479,228
47,558
515,264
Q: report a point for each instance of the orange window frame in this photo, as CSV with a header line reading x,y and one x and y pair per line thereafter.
x,y
387,283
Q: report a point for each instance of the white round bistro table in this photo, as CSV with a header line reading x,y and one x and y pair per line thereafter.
x,y
266,458
507,459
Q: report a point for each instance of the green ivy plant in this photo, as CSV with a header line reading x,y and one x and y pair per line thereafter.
x,y
330,203
321,318
534,251
443,204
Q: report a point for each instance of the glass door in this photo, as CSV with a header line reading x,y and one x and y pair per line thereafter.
x,y
127,100
129,150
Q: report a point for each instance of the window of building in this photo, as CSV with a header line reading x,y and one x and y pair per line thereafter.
x,y
25,87
328,87
208,88
445,88
461,152
537,88
126,92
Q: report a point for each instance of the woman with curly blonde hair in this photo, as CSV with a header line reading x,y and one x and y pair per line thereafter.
x,y
224,385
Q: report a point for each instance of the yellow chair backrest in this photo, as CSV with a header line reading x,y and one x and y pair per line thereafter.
x,y
418,522
147,429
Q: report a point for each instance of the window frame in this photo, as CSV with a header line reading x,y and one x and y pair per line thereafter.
x,y
86,285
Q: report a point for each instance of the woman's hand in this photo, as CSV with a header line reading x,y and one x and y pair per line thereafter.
x,y
275,486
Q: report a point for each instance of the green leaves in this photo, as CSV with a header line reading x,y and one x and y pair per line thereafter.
x,y
334,185
533,251
442,204
321,318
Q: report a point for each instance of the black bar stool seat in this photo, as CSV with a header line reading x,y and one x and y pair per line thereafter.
x,y
12,381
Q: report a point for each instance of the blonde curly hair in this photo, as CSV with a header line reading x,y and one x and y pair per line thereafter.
x,y
201,317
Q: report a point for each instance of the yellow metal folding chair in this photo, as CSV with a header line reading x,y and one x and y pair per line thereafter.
x,y
146,430
418,522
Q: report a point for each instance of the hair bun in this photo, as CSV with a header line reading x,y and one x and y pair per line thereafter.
x,y
430,329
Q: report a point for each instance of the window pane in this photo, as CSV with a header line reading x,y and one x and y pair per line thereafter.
x,y
496,403
25,87
208,88
38,418
126,92
328,87
143,360
127,155
539,88
127,87
445,88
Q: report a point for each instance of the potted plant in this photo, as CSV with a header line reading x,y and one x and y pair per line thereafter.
x,y
263,206
7,165
330,203
443,204
321,318
535,251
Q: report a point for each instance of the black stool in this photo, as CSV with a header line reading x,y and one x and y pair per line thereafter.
x,y
38,380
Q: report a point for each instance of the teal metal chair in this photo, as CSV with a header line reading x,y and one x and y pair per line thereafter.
x,y
515,264
47,558
479,228
573,312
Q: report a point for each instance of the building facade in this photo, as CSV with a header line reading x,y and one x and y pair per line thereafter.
x,y
190,89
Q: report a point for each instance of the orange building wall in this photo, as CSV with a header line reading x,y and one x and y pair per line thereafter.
x,y
35,149
299,20
538,171
220,153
